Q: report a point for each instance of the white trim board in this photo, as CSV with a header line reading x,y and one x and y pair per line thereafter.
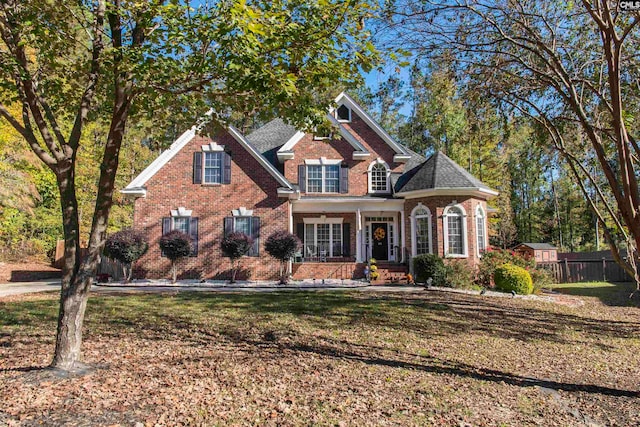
x,y
344,99
450,191
139,181
136,187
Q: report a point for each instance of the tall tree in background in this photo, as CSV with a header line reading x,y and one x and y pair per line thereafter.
x,y
563,65
68,64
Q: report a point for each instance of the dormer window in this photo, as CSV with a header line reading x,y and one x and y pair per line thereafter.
x,y
343,114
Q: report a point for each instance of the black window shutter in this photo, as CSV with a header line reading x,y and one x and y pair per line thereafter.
x,y
197,167
346,239
255,234
226,170
302,178
166,227
228,225
344,179
193,232
300,231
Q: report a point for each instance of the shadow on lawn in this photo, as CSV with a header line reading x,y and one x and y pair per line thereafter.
x,y
198,317
439,366
611,294
424,363
431,313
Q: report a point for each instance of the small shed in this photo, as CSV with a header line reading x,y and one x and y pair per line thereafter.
x,y
541,252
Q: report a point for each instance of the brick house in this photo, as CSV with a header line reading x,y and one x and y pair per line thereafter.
x,y
350,196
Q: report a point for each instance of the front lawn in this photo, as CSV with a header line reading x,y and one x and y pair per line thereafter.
x,y
326,358
608,293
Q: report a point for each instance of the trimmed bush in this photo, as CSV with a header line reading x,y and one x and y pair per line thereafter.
x,y
126,246
509,277
430,266
282,246
175,245
235,246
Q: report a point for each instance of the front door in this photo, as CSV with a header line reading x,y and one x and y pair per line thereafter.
x,y
380,241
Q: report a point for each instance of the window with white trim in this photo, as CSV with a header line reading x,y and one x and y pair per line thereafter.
x,y
454,225
378,177
421,233
181,223
244,222
182,220
323,178
322,239
212,167
481,235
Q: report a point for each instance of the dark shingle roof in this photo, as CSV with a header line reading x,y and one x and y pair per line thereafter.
x,y
537,245
410,168
269,138
439,171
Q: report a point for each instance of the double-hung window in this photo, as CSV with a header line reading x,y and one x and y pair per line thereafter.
x,y
323,178
455,229
212,167
481,234
249,225
181,220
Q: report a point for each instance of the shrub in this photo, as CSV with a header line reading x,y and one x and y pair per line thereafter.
x,y
509,277
234,246
492,259
430,266
458,274
175,245
282,246
541,279
126,246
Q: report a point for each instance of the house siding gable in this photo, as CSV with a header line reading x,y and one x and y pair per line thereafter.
x,y
339,148
251,186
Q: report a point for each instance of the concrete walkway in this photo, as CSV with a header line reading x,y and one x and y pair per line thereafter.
x,y
18,288
8,289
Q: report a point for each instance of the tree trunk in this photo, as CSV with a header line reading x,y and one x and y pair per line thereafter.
x,y
174,271
74,292
69,335
233,272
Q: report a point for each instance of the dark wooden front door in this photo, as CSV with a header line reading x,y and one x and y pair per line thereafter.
x,y
380,241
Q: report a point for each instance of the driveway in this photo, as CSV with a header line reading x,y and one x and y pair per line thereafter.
x,y
17,288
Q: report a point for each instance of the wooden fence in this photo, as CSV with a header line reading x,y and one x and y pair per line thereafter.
x,y
111,267
585,270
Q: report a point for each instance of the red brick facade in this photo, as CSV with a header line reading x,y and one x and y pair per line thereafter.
x,y
253,187
339,148
172,187
437,206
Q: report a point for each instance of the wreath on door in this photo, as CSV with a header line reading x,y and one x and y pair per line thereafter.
x,y
379,234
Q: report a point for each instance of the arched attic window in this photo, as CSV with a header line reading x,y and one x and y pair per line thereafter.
x,y
379,177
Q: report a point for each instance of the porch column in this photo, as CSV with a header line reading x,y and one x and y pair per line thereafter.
x,y
402,237
358,236
290,212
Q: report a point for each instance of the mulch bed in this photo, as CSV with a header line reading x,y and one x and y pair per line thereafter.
x,y
27,272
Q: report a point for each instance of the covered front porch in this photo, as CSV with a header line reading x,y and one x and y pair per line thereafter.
x,y
349,230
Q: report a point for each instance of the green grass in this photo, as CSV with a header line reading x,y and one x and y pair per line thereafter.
x,y
608,293
301,358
